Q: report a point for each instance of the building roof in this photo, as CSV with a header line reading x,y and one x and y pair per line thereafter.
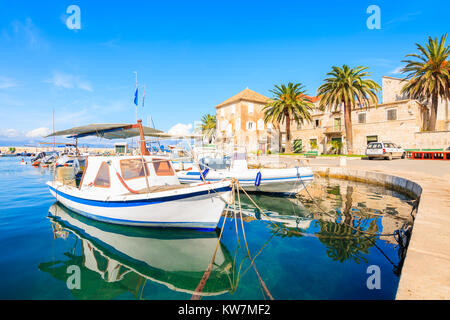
x,y
248,95
252,96
313,99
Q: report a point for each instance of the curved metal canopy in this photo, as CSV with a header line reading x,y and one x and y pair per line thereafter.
x,y
107,131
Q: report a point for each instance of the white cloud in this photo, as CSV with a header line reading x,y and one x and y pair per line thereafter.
x,y
25,32
9,133
38,133
7,83
69,81
397,70
181,129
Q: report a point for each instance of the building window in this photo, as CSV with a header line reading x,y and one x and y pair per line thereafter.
x,y
250,125
313,144
222,112
337,123
233,109
372,139
237,124
316,123
250,108
260,124
391,114
362,117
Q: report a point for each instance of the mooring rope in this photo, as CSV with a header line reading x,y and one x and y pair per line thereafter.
x,y
201,285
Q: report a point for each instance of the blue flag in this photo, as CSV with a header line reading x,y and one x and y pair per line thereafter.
x,y
136,97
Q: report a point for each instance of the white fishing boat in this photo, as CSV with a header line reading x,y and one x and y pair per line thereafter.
x,y
285,181
140,190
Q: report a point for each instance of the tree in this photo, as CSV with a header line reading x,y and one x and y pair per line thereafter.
x,y
429,78
288,103
348,87
208,126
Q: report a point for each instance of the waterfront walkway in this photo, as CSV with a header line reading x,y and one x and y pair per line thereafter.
x,y
426,271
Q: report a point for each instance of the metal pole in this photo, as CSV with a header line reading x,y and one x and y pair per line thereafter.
x,y
53,129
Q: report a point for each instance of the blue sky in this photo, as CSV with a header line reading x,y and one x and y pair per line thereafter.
x,y
190,55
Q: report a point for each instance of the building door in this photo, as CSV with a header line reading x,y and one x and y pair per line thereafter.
x,y
262,147
336,144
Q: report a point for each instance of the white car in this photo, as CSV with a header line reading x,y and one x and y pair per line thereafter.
x,y
385,150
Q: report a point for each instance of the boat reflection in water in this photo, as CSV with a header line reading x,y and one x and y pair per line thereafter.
x,y
115,259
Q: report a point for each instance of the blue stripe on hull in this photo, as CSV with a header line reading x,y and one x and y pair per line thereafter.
x,y
251,180
135,203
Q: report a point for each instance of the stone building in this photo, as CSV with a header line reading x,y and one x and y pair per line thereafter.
x,y
397,119
240,121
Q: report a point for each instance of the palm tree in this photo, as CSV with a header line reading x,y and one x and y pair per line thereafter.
x,y
348,87
288,103
429,78
208,126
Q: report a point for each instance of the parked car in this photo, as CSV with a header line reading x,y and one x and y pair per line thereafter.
x,y
385,150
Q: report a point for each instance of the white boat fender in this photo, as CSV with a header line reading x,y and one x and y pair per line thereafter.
x,y
258,179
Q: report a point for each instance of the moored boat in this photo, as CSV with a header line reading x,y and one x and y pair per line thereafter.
x,y
140,190
286,181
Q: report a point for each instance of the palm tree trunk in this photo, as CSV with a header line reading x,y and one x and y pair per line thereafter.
x,y
288,134
348,126
434,107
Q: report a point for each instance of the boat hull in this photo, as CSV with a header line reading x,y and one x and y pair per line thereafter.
x,y
195,210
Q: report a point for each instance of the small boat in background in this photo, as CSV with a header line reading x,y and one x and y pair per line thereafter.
x,y
286,181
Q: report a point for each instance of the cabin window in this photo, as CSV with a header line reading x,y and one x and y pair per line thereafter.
x,y
162,167
133,168
102,178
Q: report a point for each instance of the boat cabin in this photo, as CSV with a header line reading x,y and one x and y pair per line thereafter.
x,y
118,175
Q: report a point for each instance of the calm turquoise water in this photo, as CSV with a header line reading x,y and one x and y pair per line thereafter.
x,y
313,256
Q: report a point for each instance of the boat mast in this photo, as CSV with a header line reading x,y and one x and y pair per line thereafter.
x,y
53,129
143,146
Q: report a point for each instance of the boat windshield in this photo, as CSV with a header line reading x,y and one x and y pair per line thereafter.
x,y
133,168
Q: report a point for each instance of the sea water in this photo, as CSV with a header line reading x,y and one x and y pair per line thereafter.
x,y
322,244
